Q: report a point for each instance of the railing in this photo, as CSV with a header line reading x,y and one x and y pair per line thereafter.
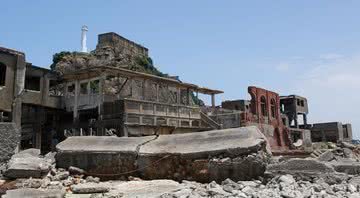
x,y
138,112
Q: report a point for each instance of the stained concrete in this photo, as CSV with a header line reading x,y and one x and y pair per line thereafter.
x,y
232,142
178,156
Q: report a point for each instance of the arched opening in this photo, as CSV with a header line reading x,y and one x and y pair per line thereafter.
x,y
2,74
263,106
273,108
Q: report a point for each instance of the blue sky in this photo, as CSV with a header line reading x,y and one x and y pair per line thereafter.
x,y
309,48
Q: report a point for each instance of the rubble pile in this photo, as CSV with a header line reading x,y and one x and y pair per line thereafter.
x,y
280,186
333,174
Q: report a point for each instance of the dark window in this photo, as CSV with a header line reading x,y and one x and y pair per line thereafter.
x,y
302,103
83,88
345,132
32,83
263,106
2,74
273,108
71,90
94,86
298,102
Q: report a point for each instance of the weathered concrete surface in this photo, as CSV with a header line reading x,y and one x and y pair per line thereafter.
x,y
298,165
348,167
100,155
34,193
9,140
145,189
186,156
89,188
27,163
179,156
231,142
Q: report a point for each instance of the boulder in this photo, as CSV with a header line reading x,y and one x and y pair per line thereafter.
x,y
26,164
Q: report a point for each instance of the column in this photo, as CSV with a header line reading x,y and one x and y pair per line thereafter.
x,y
76,102
213,100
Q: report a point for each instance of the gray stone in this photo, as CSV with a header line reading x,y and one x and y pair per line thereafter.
x,y
348,167
27,164
61,175
347,145
288,179
146,189
92,179
34,193
76,171
326,156
89,188
50,157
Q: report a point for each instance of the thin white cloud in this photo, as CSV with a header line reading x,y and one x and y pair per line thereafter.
x,y
331,56
282,67
333,89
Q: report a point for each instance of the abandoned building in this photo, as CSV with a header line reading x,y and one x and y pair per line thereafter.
x,y
106,92
279,118
100,100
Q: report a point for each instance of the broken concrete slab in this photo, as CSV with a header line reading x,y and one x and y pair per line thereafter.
x,y
89,188
180,156
298,165
34,193
26,164
105,155
229,142
145,189
347,166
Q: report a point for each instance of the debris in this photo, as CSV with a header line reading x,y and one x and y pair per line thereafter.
x,y
34,193
26,164
89,188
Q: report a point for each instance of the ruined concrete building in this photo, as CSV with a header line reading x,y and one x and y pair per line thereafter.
x,y
115,90
278,117
96,94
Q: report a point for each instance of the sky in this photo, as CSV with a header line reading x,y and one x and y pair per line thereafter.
x,y
309,48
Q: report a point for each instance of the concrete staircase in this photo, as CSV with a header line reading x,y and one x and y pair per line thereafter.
x,y
212,123
318,152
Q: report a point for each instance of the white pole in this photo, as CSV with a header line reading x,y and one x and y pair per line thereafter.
x,y
84,29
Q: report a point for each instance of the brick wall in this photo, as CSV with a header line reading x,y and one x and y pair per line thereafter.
x,y
9,139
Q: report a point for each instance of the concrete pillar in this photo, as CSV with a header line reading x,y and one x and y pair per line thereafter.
x,y
18,90
101,101
76,102
213,100
1,116
305,120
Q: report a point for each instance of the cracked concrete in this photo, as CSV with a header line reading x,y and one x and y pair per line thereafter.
x,y
178,156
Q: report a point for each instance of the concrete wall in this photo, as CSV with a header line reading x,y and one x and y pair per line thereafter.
x,y
330,132
7,91
9,139
113,39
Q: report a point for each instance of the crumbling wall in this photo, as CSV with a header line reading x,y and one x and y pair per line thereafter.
x,y
9,140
